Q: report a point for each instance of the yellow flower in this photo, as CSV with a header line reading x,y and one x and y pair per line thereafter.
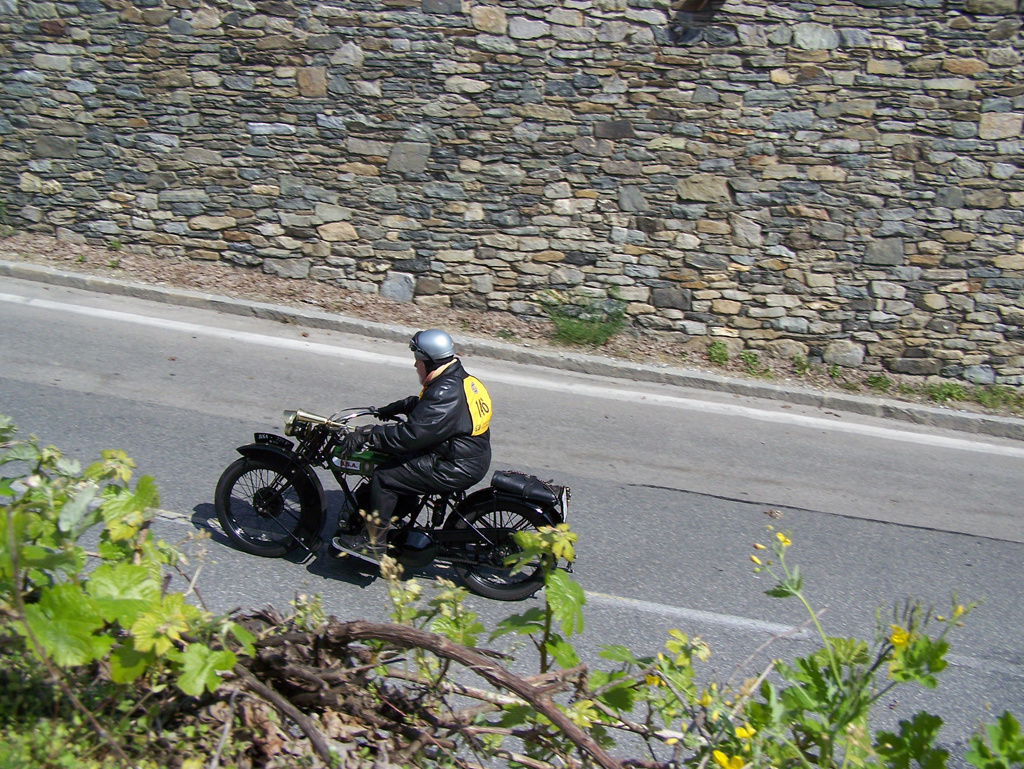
x,y
671,740
745,732
758,546
727,762
755,559
958,611
652,680
899,637
705,699
783,539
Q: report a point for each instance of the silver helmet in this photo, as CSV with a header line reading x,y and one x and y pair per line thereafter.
x,y
432,346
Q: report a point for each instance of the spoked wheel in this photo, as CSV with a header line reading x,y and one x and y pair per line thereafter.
x,y
481,565
266,507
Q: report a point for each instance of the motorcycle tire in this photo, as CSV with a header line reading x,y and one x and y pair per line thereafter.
x,y
490,577
263,504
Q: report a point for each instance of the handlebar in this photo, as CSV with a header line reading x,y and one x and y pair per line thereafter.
x,y
337,421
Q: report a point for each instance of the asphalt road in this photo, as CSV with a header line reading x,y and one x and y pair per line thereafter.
x,y
670,486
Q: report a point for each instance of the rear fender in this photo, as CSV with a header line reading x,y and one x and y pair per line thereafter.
x,y
310,483
489,496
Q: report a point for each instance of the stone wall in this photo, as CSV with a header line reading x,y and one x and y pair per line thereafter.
x,y
829,178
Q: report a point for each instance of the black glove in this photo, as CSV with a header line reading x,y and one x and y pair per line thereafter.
x,y
391,410
353,441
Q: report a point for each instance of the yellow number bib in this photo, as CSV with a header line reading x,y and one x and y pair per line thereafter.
x,y
479,404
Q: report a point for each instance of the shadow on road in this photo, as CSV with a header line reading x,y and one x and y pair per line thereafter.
x,y
320,564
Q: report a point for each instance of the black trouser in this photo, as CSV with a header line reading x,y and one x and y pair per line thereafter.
x,y
416,476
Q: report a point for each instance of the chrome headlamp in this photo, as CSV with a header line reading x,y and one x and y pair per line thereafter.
x,y
289,422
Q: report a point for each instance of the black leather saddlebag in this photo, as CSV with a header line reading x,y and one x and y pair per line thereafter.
x,y
527,487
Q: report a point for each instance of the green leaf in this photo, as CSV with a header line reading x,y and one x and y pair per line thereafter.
x,y
565,598
620,698
21,452
914,744
849,651
159,628
1004,748
618,653
64,622
527,623
561,651
461,630
38,557
127,663
919,661
124,511
200,667
73,511
245,638
123,591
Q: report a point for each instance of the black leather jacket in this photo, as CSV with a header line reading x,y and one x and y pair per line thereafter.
x,y
439,431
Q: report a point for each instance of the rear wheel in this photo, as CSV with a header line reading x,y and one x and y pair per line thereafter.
x,y
482,564
265,507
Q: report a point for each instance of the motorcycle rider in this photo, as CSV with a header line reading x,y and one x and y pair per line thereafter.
x,y
443,446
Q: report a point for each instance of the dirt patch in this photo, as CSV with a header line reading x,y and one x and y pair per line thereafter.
x,y
631,344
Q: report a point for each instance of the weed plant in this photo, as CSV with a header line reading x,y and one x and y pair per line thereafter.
x,y
590,326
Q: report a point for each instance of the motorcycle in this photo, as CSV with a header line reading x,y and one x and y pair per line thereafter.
x,y
271,502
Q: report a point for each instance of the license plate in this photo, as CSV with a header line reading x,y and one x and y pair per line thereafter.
x,y
273,440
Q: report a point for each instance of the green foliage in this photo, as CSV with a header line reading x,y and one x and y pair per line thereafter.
x,y
752,364
75,611
995,396
820,714
879,383
589,325
718,353
564,598
943,392
1000,746
84,633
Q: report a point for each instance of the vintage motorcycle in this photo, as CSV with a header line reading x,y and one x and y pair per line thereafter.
x,y
271,501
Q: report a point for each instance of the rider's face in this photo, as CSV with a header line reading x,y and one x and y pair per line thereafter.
x,y
421,371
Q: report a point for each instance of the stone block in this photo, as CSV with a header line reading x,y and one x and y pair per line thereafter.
x,y
312,81
398,286
409,157
614,129
809,36
915,366
441,6
1000,125
843,352
287,268
672,298
887,251
334,232
991,7
706,188
490,19
520,28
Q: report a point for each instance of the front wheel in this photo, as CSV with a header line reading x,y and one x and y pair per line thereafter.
x,y
265,507
481,561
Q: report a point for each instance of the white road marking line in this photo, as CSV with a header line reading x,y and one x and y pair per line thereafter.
x,y
696,615
603,391
745,624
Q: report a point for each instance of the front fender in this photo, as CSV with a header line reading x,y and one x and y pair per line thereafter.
x,y
269,452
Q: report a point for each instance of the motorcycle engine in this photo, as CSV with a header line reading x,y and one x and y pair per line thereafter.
x,y
415,548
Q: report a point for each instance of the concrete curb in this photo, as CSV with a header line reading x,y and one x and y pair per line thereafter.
x,y
979,424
